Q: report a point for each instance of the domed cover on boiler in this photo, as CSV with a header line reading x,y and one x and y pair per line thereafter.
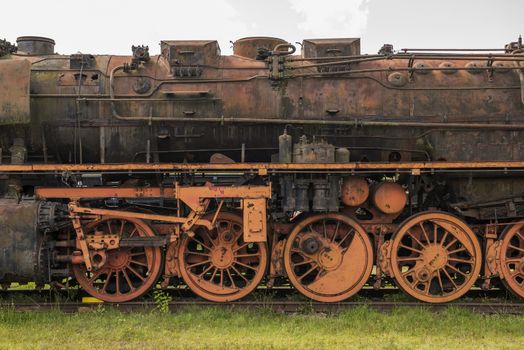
x,y
249,47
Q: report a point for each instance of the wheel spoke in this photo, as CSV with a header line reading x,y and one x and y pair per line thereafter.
x,y
461,249
427,284
305,262
117,273
516,248
128,280
439,278
133,232
240,247
416,239
239,274
443,239
192,252
313,267
213,274
246,255
136,273
312,230
336,232
106,284
95,276
406,259
231,279
138,253
211,241
453,241
457,270
202,244
246,266
138,263
410,248
299,252
450,279
461,260
424,232
198,264
350,231
407,273
205,271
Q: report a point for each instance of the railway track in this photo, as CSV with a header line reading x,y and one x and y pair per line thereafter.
x,y
283,306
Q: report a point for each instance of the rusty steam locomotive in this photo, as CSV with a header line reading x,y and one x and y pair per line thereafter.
x,y
327,171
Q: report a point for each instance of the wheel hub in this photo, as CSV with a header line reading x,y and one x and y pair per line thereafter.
x,y
222,257
311,245
435,257
330,258
117,259
423,275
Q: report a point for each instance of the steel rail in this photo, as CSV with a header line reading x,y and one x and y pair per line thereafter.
x,y
285,306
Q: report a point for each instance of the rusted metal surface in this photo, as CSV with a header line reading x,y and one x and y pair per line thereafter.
x,y
253,47
239,92
14,92
20,242
416,167
435,257
134,139
123,274
35,45
354,191
219,265
511,258
389,197
314,48
105,192
328,257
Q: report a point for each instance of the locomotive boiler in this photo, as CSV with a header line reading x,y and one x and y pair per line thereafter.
x,y
327,170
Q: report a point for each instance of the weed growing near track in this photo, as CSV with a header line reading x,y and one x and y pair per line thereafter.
x,y
207,328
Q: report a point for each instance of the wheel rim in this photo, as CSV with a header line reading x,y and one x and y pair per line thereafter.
x,y
512,258
435,257
218,265
328,257
127,273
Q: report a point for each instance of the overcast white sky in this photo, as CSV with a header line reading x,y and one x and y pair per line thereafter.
x,y
112,26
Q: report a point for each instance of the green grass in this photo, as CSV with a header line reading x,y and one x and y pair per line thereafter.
x,y
217,328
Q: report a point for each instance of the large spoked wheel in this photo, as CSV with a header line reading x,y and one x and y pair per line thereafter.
x,y
435,257
218,265
512,258
127,273
328,257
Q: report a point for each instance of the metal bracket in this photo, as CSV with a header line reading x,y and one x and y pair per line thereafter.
x,y
81,240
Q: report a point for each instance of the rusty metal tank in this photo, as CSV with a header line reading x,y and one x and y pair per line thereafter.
x,y
191,101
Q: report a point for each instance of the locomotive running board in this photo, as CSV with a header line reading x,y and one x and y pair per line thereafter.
x,y
260,168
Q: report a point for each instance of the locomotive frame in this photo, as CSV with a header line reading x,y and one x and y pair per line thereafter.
x,y
314,219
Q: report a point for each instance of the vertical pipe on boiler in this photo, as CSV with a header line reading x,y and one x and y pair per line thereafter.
x,y
102,145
